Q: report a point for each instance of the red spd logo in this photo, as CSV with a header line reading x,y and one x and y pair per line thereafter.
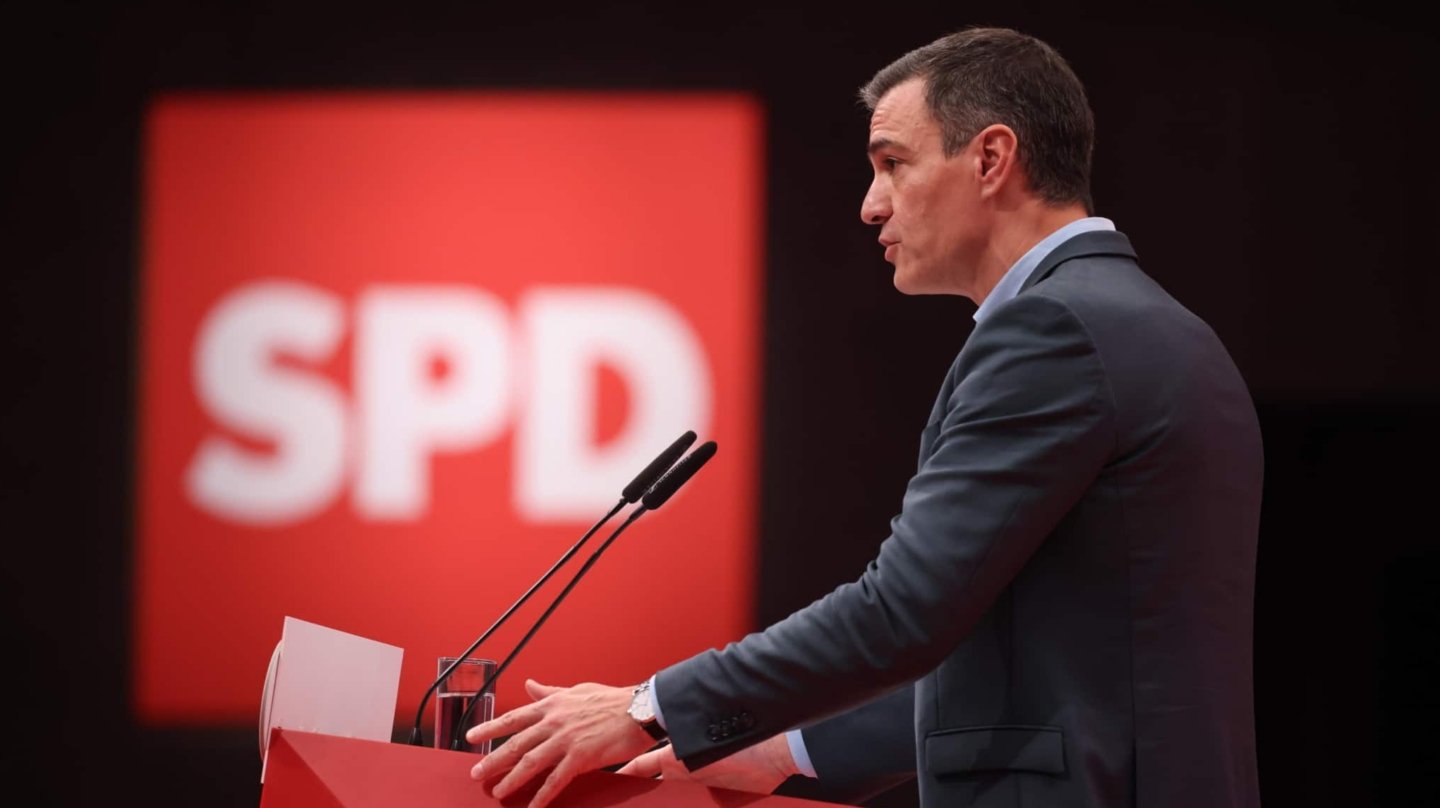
x,y
400,351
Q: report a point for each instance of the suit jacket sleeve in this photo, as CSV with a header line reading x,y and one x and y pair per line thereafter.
x,y
861,752
1028,423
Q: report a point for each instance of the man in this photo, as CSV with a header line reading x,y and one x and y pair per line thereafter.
x,y
1062,613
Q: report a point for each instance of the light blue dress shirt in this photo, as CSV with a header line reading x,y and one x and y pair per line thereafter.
x,y
1009,286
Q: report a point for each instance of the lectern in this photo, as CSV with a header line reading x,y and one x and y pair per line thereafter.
x,y
310,770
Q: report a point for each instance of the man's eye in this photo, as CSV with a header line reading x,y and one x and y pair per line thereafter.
x,y
891,162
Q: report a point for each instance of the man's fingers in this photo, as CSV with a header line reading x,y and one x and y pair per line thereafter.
x,y
507,755
507,724
556,782
537,691
530,764
647,765
583,727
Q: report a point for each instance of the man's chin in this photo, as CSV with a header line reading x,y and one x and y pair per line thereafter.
x,y
907,284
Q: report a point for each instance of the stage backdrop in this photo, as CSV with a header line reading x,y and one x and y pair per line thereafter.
x,y
400,350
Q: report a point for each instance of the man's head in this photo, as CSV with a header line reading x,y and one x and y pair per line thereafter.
x,y
962,131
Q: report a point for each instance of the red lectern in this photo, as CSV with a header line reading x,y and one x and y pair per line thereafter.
x,y
306,770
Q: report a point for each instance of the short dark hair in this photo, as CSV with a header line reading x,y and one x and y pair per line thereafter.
x,y
982,76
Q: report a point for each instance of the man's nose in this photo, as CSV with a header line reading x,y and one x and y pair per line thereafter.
x,y
875,208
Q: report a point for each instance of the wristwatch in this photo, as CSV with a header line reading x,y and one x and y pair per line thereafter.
x,y
640,710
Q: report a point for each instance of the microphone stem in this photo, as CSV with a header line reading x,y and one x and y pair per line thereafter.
x,y
485,687
416,734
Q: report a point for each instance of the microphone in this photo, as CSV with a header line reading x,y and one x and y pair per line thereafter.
x,y
643,481
652,499
676,477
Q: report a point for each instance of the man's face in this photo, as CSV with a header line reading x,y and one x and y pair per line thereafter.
x,y
927,205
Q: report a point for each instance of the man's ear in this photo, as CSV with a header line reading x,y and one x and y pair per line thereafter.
x,y
998,150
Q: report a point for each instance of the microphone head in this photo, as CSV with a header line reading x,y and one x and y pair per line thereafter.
x,y
678,476
645,480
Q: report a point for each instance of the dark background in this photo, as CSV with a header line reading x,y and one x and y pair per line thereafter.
x,y
1276,173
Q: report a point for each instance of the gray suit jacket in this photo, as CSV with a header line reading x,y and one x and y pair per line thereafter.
x,y
1064,603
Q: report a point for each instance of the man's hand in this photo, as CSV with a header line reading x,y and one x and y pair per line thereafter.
x,y
567,730
760,768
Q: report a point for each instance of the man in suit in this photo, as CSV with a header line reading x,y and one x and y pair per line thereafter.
x,y
1062,613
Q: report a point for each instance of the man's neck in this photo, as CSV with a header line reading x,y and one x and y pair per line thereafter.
x,y
1015,233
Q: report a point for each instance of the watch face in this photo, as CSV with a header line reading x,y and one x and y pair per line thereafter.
x,y
640,705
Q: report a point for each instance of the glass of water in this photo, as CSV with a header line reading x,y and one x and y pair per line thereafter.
x,y
456,694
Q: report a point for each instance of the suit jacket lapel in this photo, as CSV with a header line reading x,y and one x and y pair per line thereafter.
x,y
1093,243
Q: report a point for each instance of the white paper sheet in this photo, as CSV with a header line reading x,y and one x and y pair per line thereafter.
x,y
327,681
